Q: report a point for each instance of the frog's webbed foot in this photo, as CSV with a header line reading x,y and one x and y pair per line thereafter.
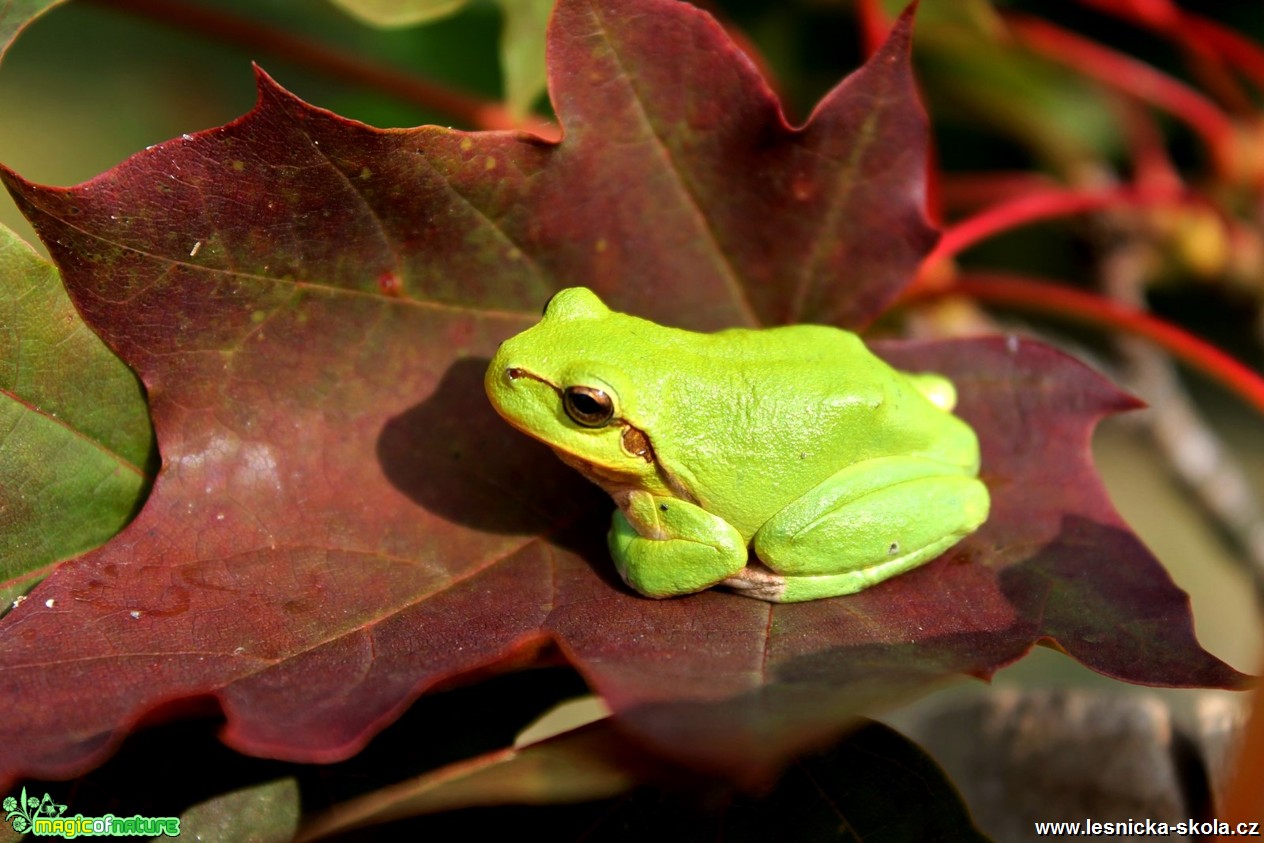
x,y
759,582
664,547
762,583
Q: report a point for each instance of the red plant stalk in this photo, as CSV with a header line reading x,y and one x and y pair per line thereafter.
x,y
1242,53
963,192
1153,169
1206,61
1160,15
1191,31
1035,206
874,24
1134,77
1092,309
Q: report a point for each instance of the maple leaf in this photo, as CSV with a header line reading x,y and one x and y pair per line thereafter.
x,y
341,522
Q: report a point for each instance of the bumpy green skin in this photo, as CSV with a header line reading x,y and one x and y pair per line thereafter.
x,y
837,470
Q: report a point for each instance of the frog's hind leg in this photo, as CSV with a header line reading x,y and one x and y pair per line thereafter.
x,y
764,584
865,524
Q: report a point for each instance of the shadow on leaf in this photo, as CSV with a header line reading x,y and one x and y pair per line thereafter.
x,y
454,456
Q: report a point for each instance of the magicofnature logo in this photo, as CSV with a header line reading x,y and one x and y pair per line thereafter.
x,y
47,818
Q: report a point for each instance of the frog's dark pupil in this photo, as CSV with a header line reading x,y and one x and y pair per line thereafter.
x,y
590,407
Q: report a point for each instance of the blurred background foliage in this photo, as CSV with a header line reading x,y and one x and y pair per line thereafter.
x,y
90,83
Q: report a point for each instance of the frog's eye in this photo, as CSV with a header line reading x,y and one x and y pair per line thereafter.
x,y
588,406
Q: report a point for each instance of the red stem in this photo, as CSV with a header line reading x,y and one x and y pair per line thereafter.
x,y
1093,309
1160,15
1166,18
1034,206
970,191
1153,170
874,25
469,110
1136,78
1242,53
1190,31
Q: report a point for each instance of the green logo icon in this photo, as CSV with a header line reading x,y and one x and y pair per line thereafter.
x,y
21,812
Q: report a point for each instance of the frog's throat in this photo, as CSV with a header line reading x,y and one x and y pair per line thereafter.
x,y
620,484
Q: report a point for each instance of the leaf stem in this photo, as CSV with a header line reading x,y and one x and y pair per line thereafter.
x,y
962,192
1155,14
1152,168
1093,309
1241,52
469,110
1191,31
1034,206
1134,77
1204,58
874,22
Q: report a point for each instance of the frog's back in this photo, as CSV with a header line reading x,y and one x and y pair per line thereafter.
x,y
762,416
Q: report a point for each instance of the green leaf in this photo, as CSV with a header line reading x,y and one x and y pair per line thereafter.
x,y
521,37
262,813
15,15
393,13
75,438
522,51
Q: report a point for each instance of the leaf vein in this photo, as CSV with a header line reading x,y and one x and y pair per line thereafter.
x,y
78,434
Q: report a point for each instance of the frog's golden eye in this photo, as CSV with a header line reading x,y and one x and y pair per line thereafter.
x,y
588,406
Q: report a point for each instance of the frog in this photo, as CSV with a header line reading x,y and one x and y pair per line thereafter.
x,y
786,463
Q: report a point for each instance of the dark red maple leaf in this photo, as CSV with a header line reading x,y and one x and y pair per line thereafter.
x,y
341,522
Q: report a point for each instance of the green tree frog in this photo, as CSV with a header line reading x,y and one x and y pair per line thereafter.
x,y
795,444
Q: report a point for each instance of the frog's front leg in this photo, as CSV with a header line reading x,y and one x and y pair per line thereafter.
x,y
664,546
864,524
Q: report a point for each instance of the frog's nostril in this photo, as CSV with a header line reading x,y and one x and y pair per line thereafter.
x,y
513,373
